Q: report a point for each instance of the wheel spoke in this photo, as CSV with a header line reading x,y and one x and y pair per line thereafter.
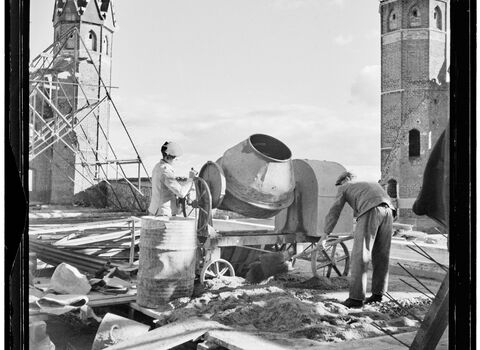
x,y
224,270
341,258
209,273
336,269
217,268
333,251
323,266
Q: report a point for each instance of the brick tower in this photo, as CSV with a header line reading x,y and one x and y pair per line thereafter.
x,y
414,94
73,87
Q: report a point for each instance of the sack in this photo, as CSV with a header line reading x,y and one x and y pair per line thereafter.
x,y
66,279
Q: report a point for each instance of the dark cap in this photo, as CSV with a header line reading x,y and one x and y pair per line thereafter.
x,y
345,176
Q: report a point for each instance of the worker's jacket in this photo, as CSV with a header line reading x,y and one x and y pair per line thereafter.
x,y
361,196
165,189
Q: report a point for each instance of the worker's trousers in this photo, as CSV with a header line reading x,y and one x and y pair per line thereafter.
x,y
372,238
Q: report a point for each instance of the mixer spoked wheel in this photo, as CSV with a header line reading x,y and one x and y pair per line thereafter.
x,y
203,215
216,269
333,258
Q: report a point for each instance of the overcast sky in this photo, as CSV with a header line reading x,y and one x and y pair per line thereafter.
x,y
209,73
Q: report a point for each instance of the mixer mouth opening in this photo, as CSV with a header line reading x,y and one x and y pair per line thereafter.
x,y
270,147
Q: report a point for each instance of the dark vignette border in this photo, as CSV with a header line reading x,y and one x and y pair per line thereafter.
x,y
462,333
16,173
463,173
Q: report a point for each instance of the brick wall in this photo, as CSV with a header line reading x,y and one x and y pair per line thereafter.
x,y
413,53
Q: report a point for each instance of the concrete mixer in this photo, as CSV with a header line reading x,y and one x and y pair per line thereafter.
x,y
258,179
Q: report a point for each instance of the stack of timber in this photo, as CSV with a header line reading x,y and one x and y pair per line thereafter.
x,y
88,246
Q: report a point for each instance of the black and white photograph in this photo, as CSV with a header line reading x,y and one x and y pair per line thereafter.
x,y
242,175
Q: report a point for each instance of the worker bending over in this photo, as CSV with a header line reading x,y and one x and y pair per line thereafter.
x,y
165,187
372,237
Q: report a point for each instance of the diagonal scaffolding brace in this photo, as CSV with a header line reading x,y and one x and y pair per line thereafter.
x,y
47,130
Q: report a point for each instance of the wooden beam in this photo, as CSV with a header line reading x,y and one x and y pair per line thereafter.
x,y
435,322
237,340
107,300
230,240
157,313
93,238
81,226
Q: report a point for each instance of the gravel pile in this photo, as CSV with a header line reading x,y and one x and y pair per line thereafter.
x,y
296,313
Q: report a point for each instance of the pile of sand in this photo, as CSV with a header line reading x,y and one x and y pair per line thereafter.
x,y
276,309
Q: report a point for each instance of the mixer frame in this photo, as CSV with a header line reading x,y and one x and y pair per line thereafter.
x,y
330,257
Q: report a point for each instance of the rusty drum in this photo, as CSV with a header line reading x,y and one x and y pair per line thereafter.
x,y
167,260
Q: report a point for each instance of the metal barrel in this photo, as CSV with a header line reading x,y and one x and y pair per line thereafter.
x,y
166,260
259,177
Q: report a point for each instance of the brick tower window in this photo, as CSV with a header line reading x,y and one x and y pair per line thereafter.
x,y
393,20
392,188
414,143
71,42
437,16
92,41
414,17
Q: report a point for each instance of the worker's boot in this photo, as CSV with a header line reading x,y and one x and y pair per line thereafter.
x,y
374,298
353,303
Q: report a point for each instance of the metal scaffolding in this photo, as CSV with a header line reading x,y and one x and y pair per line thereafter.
x,y
60,108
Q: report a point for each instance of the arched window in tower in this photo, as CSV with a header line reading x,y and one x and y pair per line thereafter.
x,y
392,188
92,41
105,45
393,20
414,17
414,143
437,16
71,41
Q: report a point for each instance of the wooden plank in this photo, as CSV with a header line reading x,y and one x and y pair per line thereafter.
x,y
400,250
236,340
98,299
103,245
420,269
170,335
227,241
247,233
80,227
94,238
157,313
379,343
236,224
435,321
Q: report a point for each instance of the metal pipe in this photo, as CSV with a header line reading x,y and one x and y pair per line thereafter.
x,y
132,244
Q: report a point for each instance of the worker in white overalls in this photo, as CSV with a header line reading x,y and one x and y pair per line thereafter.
x,y
165,187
